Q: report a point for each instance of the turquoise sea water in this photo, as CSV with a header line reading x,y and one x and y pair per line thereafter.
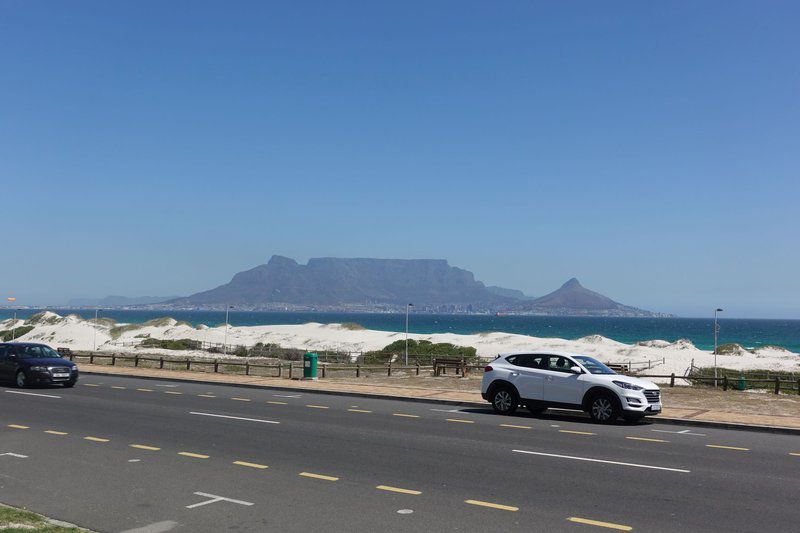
x,y
748,332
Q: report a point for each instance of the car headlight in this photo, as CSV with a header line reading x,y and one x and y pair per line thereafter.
x,y
39,368
629,386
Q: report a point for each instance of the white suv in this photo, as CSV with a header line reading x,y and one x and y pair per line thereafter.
x,y
541,380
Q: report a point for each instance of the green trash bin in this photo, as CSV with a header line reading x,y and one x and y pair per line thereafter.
x,y
310,366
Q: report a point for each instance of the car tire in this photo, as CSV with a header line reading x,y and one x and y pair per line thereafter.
x,y
21,380
603,408
632,418
505,400
535,409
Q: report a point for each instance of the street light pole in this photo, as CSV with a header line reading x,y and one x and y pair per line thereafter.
x,y
408,307
716,332
94,340
14,327
225,344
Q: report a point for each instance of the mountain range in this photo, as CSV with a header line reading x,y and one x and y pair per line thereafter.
x,y
389,284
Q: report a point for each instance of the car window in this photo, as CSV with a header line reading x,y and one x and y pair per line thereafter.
x,y
558,363
3,352
526,360
35,352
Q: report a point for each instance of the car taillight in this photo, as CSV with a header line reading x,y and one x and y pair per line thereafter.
x,y
488,369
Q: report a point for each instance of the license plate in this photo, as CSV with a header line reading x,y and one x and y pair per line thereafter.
x,y
60,375
656,407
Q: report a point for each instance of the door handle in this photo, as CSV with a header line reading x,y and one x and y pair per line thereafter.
x,y
549,378
514,374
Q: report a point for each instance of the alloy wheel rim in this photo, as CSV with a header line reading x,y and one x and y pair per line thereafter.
x,y
602,409
502,400
21,379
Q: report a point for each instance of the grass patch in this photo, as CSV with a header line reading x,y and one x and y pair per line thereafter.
x,y
26,522
352,326
171,344
10,334
731,348
420,351
116,332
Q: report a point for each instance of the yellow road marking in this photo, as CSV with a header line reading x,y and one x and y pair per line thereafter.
x,y
241,399
54,432
15,426
95,439
396,489
646,439
460,420
608,525
145,390
492,505
251,465
277,403
206,395
575,432
319,476
172,392
317,406
795,454
728,447
195,455
359,411
143,447
513,426
405,415
90,385
117,387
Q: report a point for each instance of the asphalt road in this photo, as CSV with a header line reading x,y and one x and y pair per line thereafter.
x,y
119,454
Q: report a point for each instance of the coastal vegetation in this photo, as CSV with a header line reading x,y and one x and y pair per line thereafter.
x,y
171,344
10,334
422,352
18,520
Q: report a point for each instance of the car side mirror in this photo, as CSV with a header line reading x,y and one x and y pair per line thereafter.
x,y
576,370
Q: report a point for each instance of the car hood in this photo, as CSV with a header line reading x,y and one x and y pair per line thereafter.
x,y
48,361
627,379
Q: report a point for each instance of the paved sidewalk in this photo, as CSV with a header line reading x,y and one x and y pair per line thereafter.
x,y
688,416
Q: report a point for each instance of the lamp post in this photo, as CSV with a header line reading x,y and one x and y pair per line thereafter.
x,y
408,307
225,344
94,339
12,299
716,332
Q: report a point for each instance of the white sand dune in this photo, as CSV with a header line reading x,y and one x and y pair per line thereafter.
x,y
664,357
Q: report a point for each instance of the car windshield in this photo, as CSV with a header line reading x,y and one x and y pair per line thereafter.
x,y
36,352
593,365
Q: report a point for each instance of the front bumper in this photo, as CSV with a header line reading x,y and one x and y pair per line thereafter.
x,y
47,378
638,402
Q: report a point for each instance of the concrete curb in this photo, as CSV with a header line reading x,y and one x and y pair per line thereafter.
x,y
444,401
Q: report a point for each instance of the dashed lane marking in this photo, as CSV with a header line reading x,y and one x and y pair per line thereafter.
x,y
33,394
795,454
206,396
235,417
645,439
17,426
172,392
193,455
571,432
54,432
317,406
96,439
607,525
492,505
91,385
515,427
399,490
145,390
241,399
405,415
117,387
589,459
251,465
144,447
318,476
359,411
460,421
277,403
287,395
736,448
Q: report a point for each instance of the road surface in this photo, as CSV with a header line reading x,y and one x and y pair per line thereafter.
x,y
119,454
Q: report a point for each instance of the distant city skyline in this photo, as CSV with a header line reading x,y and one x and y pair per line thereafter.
x,y
650,150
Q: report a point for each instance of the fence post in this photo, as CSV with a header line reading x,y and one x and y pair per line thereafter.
x,y
91,358
247,369
725,382
390,369
798,386
188,364
280,370
161,363
418,368
135,360
358,370
216,366
113,359
672,380
777,385
290,370
324,367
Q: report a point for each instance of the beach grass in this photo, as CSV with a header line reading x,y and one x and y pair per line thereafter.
x,y
18,521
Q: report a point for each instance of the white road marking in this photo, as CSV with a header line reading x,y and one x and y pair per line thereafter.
x,y
450,411
603,461
684,432
215,499
33,394
158,527
235,417
405,511
288,395
170,386
17,455
133,461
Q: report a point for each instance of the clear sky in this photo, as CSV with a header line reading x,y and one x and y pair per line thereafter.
x,y
652,149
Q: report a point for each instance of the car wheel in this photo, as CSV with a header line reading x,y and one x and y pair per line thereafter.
x,y
603,409
505,400
22,380
535,409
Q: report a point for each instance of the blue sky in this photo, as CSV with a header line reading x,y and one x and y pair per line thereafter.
x,y
649,148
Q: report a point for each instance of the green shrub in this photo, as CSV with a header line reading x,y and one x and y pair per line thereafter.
x,y
420,351
171,344
352,326
11,334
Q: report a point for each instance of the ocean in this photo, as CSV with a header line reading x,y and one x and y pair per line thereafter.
x,y
750,333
